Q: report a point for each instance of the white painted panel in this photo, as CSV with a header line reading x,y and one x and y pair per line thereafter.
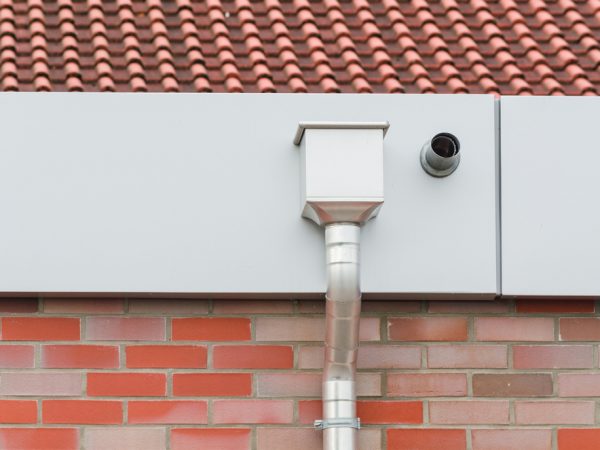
x,y
190,193
550,186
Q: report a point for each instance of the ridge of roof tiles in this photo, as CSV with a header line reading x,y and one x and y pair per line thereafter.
x,y
527,47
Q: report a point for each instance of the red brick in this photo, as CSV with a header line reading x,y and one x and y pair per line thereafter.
x,y
467,357
222,307
369,357
511,439
307,329
468,412
469,307
126,384
553,306
554,413
253,357
512,385
211,329
39,438
579,439
389,412
370,412
553,356
514,329
426,439
210,439
18,411
212,384
40,329
253,411
169,306
16,356
82,412
80,356
426,384
389,306
84,305
18,305
167,412
309,384
122,438
166,356
580,329
41,384
579,384
125,329
428,329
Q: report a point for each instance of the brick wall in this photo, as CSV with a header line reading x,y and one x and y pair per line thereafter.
x,y
235,375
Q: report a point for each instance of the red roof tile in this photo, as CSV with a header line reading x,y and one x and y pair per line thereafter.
x,y
415,46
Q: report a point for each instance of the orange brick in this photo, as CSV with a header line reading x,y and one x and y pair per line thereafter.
x,y
126,384
554,306
80,356
579,439
370,412
39,438
16,356
253,357
18,411
580,329
97,412
554,413
553,356
166,356
426,439
212,384
427,384
253,411
468,412
211,329
40,329
210,438
512,439
168,412
467,357
514,329
428,329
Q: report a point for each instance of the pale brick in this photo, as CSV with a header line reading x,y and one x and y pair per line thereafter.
x,y
506,439
119,438
579,384
125,328
467,356
426,384
369,357
514,329
468,412
43,383
253,411
553,356
309,384
307,329
554,413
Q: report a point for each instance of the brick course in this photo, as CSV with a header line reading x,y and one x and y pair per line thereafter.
x,y
236,374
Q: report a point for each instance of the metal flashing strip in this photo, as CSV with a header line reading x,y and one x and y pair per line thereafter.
x,y
338,126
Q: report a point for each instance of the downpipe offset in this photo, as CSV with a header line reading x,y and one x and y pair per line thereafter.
x,y
343,303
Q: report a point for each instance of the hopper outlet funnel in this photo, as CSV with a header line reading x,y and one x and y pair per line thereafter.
x,y
342,170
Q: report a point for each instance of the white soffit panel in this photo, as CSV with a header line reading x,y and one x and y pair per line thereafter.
x,y
192,193
550,187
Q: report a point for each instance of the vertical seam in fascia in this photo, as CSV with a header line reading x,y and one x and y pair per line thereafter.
x,y
497,144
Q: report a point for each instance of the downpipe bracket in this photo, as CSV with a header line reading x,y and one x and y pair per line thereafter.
x,y
350,422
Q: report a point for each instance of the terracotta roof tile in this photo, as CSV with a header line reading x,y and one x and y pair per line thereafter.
x,y
426,46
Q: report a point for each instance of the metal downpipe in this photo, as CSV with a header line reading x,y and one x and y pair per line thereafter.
x,y
343,297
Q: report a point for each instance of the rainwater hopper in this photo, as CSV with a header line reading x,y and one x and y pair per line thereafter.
x,y
342,188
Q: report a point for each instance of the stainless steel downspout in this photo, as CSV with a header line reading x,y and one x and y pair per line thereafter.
x,y
330,200
340,423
